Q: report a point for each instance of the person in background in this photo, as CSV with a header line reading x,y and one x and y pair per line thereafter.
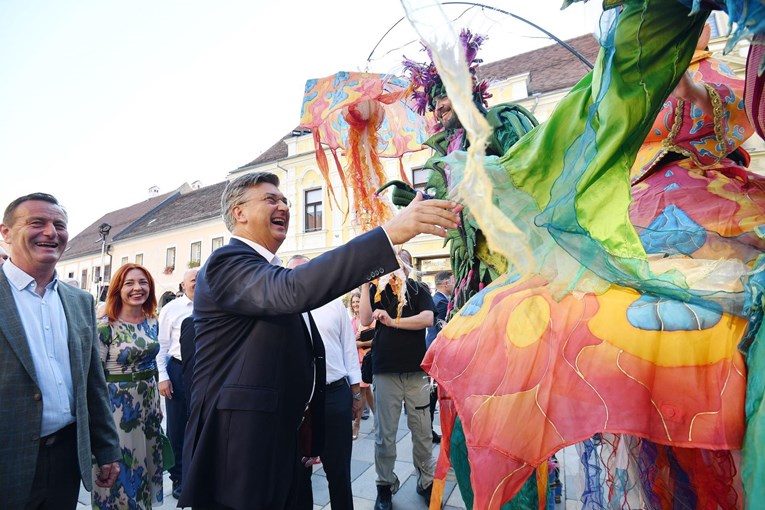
x,y
54,416
398,353
362,346
129,347
170,366
444,289
342,396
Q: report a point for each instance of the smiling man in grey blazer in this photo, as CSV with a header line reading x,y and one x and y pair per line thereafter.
x,y
54,407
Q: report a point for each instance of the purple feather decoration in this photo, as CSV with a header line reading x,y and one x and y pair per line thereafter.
x,y
427,83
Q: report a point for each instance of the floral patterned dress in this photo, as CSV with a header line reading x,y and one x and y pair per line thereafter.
x,y
126,348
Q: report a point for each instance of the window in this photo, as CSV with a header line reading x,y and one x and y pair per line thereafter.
x,y
170,259
139,258
107,273
196,254
313,210
217,242
96,274
84,279
123,261
419,178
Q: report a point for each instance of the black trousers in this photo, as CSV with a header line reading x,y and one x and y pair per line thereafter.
x,y
57,475
338,444
177,415
433,402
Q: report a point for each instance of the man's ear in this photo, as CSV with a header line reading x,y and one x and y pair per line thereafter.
x,y
238,214
5,232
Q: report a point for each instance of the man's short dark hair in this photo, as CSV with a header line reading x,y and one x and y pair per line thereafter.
x,y
443,277
11,209
233,195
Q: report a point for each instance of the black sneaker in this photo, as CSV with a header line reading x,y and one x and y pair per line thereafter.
x,y
436,438
425,493
384,496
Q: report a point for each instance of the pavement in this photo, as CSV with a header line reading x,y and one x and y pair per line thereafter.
x,y
363,477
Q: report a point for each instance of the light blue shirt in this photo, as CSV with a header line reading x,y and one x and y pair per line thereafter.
x,y
46,330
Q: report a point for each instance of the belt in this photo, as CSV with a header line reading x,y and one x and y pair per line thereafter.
x,y
337,384
58,436
143,375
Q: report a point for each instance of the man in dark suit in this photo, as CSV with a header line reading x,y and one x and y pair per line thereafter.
x,y
188,354
54,407
444,289
256,407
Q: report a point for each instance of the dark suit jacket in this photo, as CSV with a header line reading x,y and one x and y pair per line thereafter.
x,y
188,352
442,303
255,368
21,403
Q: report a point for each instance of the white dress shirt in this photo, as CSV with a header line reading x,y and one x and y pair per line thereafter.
x,y
170,318
47,335
336,330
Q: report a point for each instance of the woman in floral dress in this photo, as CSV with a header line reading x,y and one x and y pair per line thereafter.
x,y
129,346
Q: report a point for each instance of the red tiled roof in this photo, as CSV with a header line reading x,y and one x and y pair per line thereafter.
x,y
277,151
88,242
188,208
550,68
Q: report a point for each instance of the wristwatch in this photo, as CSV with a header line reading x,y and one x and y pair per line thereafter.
x,y
357,396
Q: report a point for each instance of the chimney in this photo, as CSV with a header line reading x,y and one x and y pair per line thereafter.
x,y
154,191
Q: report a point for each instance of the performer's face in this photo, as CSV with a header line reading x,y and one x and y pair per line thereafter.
x,y
263,216
445,115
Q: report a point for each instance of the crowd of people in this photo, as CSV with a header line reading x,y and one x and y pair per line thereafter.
x,y
623,327
79,391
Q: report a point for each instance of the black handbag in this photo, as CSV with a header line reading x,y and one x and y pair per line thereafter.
x,y
366,367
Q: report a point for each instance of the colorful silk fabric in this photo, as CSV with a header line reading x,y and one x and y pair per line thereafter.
x,y
370,117
623,312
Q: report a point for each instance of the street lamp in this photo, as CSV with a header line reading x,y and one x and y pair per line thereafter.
x,y
103,231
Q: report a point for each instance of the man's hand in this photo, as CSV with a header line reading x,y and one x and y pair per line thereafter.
x,y
107,474
383,317
358,405
423,217
166,389
310,461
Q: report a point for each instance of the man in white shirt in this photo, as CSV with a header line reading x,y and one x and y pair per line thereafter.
x,y
169,363
342,396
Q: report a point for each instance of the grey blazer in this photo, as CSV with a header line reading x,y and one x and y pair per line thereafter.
x,y
21,401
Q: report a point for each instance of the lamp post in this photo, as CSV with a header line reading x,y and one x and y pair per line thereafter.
x,y
103,231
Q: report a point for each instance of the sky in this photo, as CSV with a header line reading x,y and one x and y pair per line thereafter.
x,y
102,99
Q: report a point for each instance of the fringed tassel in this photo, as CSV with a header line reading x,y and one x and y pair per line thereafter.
x,y
321,160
